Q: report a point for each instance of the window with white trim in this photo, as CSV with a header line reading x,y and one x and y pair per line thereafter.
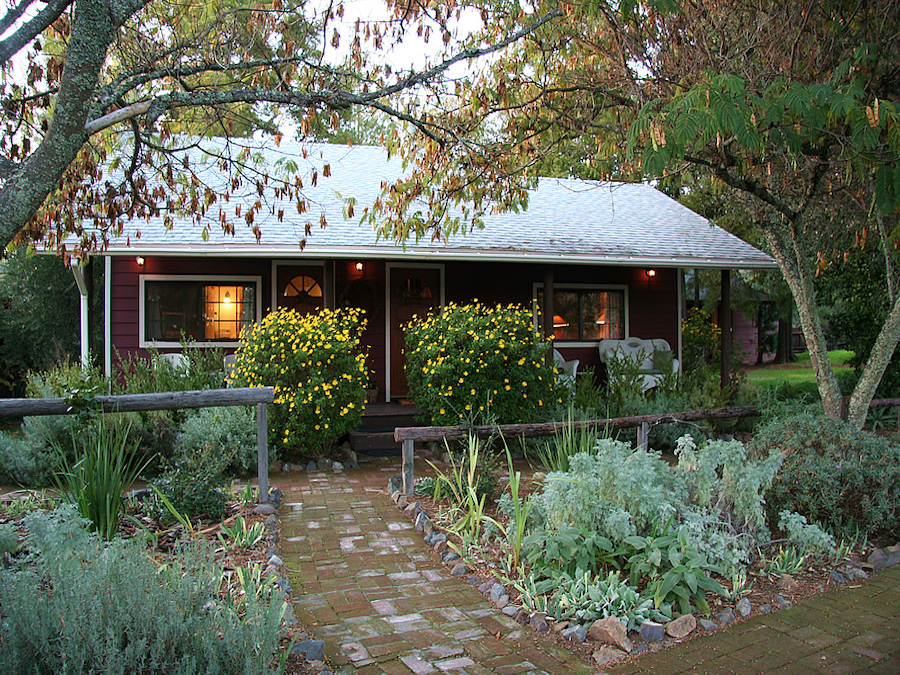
x,y
587,314
205,310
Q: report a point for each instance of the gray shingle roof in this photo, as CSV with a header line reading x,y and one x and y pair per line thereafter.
x,y
568,221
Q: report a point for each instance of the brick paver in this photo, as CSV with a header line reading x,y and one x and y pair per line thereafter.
x,y
365,582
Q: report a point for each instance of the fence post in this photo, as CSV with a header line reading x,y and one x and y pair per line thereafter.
x,y
643,439
262,451
408,477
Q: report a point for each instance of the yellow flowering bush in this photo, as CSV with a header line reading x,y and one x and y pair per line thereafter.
x,y
464,359
319,372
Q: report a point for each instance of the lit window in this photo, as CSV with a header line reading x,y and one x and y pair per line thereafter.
x,y
205,311
587,314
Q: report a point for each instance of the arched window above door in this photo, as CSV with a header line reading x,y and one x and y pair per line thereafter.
x,y
302,293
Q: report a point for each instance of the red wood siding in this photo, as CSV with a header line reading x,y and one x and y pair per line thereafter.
x,y
652,302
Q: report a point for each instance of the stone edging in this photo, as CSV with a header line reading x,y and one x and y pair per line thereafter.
x,y
313,650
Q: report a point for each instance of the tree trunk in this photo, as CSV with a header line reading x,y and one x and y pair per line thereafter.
x,y
784,346
879,357
760,336
795,266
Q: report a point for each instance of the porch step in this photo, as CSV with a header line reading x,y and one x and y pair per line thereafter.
x,y
375,435
375,443
384,416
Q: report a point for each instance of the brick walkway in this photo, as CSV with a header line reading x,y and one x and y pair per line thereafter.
x,y
365,582
844,630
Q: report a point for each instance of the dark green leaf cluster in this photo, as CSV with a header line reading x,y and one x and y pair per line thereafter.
x,y
566,550
194,483
675,572
842,478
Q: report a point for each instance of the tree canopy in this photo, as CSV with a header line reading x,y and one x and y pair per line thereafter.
x,y
792,108
99,95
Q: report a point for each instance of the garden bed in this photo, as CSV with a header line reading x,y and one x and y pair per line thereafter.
x,y
777,576
243,546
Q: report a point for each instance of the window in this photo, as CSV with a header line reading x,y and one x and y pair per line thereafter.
x,y
587,314
207,311
304,294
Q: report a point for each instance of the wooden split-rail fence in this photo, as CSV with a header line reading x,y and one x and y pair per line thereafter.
x,y
171,400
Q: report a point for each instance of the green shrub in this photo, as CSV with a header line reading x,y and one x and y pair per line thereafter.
x,y
228,431
584,597
714,495
676,571
808,537
138,375
566,550
589,396
112,611
23,464
39,309
319,372
64,378
662,436
721,474
615,492
195,483
467,359
9,540
841,478
700,341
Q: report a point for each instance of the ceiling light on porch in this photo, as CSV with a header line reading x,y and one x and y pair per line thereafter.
x,y
139,260
651,273
359,267
559,322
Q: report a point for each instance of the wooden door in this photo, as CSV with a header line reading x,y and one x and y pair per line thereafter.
x,y
413,291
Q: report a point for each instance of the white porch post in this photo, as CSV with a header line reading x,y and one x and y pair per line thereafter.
x,y
84,302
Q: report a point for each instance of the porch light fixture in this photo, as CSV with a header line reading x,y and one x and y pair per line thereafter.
x,y
359,267
651,273
559,322
139,260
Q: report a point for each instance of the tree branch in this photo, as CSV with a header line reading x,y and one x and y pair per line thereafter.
x,y
10,46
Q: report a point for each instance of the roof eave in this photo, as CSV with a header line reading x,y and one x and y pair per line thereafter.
x,y
455,254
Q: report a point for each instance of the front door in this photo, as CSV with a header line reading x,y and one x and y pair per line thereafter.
x,y
413,291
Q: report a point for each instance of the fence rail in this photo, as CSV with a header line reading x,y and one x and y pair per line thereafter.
x,y
170,400
408,436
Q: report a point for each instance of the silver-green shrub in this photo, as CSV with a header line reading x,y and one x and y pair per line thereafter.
x,y
585,597
808,537
720,475
111,611
600,490
229,431
714,495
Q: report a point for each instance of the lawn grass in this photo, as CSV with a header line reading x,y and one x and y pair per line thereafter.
x,y
798,376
